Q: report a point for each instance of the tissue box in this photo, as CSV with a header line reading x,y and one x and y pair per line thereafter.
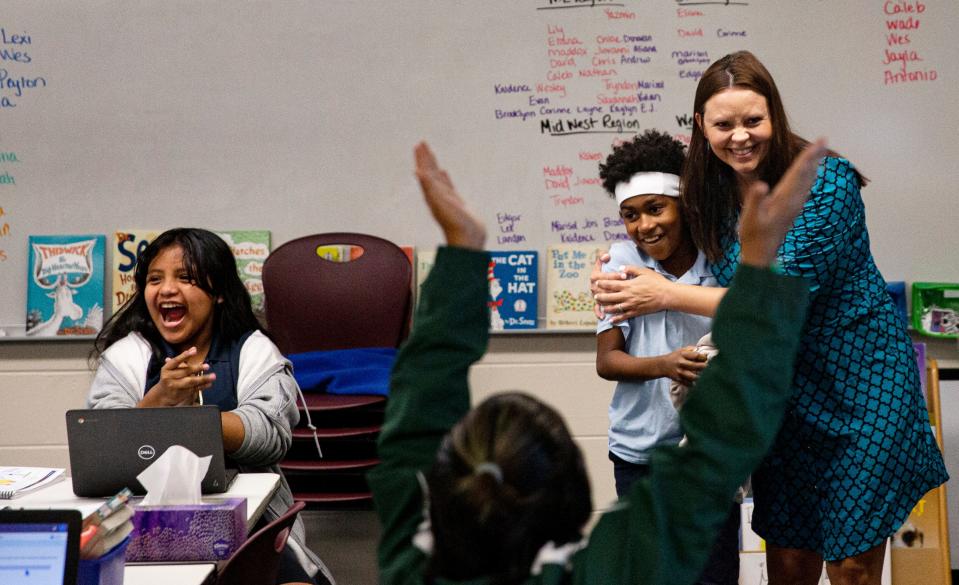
x,y
210,531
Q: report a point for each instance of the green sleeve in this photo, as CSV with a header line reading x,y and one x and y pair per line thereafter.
x,y
429,393
662,532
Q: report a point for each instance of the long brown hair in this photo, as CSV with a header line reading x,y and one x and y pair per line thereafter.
x,y
710,193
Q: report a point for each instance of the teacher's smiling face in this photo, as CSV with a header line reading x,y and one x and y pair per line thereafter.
x,y
737,126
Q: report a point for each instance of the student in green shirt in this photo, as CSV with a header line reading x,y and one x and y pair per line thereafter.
x,y
499,494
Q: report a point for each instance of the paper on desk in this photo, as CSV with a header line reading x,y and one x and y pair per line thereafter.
x,y
16,480
174,478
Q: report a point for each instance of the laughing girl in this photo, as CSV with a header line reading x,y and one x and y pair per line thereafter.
x,y
189,336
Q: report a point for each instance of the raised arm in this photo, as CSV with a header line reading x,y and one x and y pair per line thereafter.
x,y
429,392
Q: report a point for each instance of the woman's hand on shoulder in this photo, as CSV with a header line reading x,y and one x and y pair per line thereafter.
x,y
628,293
180,383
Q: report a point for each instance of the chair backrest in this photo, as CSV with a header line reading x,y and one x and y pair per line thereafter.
x,y
257,560
316,304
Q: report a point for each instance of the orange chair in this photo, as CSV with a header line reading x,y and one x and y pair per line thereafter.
x,y
257,560
317,304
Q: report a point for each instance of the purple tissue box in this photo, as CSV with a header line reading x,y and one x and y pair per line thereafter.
x,y
210,531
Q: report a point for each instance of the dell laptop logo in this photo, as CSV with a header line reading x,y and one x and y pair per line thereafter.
x,y
146,452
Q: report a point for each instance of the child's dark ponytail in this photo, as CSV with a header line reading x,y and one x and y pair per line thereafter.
x,y
507,480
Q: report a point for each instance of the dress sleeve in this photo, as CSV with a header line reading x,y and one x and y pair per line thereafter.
x,y
429,393
663,531
833,217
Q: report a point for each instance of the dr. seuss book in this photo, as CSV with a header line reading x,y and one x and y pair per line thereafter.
x,y
127,246
250,248
65,285
569,304
512,280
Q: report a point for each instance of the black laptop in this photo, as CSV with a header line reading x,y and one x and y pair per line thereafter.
x,y
110,447
40,547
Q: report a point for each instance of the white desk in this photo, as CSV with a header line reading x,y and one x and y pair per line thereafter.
x,y
257,488
167,574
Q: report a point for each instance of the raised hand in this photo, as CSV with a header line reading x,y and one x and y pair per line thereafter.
x,y
460,226
631,292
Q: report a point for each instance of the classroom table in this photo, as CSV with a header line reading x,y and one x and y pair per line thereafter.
x,y
257,488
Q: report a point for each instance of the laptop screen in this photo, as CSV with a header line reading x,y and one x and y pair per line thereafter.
x,y
39,547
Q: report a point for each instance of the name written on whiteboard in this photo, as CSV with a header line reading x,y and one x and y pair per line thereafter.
x,y
509,228
17,85
692,63
607,73
5,177
12,45
901,57
13,54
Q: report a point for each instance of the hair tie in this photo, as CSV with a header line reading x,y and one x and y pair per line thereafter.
x,y
490,468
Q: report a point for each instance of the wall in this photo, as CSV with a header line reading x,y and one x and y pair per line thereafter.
x,y
298,116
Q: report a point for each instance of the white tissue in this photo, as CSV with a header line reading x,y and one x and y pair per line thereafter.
x,y
174,478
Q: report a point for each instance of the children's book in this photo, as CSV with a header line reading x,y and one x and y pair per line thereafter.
x,y
250,248
65,285
513,280
569,303
127,246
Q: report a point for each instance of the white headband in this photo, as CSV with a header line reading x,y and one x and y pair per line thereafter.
x,y
648,184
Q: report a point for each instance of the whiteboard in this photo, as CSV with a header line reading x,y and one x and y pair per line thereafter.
x,y
299,117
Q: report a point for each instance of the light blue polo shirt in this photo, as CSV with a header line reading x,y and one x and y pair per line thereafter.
x,y
641,415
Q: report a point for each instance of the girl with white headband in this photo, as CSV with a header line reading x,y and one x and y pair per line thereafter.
x,y
645,354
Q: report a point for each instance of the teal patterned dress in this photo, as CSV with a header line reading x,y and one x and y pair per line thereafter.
x,y
855,452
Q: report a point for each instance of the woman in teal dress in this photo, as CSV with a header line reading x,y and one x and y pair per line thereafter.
x,y
855,451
